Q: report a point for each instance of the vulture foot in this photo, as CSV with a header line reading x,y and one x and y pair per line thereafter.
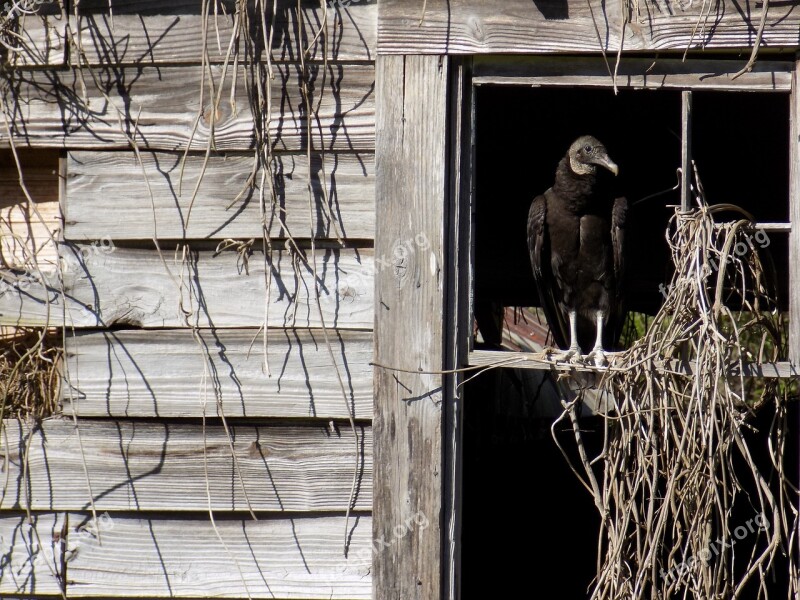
x,y
598,357
571,355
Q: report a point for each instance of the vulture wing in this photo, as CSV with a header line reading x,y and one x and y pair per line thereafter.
x,y
539,249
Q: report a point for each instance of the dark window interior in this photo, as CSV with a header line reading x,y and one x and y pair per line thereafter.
x,y
522,133
526,518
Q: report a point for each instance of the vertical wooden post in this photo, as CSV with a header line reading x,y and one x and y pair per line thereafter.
x,y
686,150
458,234
794,218
411,193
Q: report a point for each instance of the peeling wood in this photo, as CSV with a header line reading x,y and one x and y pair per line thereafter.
x,y
135,465
161,374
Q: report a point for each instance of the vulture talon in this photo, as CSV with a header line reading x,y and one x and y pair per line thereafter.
x,y
568,356
598,357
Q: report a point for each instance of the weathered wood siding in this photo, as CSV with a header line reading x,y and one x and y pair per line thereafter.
x,y
127,465
160,108
211,199
162,373
794,217
230,558
411,185
570,26
183,417
25,231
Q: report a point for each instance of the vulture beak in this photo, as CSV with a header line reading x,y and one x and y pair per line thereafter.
x,y
603,160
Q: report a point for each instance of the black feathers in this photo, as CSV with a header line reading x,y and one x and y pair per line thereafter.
x,y
576,239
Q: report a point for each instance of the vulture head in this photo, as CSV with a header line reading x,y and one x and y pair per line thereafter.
x,y
586,153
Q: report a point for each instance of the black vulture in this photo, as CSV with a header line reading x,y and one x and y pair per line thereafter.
x,y
575,238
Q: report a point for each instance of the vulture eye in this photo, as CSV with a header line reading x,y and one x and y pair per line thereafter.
x,y
587,148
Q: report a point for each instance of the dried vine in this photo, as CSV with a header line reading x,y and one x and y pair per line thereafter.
x,y
689,506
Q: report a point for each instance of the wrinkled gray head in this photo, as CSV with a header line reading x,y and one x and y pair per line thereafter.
x,y
586,153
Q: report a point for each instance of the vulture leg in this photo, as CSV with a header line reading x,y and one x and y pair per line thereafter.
x,y
574,350
597,352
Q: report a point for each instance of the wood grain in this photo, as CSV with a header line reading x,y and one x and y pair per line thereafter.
x,y
32,553
134,287
525,27
39,39
26,301
161,374
27,231
136,465
272,558
108,194
536,361
410,187
152,32
794,217
158,107
635,73
102,285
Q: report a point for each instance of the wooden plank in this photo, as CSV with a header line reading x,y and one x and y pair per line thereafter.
x,y
102,285
32,553
26,301
633,72
410,169
771,227
161,374
686,151
159,107
537,360
38,39
794,217
108,194
152,32
27,231
134,287
458,321
522,27
273,558
135,465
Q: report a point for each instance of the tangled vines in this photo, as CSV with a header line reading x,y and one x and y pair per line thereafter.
x,y
694,500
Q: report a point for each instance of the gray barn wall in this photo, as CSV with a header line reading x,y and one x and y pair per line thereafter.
x,y
159,349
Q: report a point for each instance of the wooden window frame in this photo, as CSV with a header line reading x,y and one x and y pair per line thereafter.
x,y
670,73
423,315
